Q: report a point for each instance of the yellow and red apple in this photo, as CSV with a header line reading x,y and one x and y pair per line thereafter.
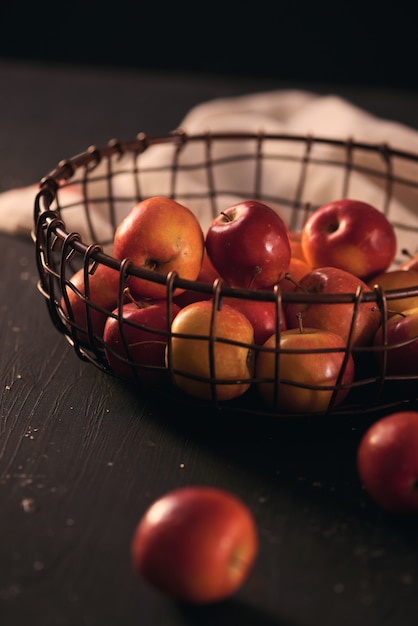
x,y
300,374
210,353
162,236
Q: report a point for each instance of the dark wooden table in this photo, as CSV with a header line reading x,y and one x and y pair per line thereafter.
x,y
82,456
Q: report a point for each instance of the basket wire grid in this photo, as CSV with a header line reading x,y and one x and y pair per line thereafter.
x,y
81,202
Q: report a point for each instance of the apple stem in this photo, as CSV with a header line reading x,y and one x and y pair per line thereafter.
x,y
127,293
226,216
406,252
294,282
300,322
257,271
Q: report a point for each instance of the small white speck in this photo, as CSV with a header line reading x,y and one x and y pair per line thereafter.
x,y
28,505
110,464
181,465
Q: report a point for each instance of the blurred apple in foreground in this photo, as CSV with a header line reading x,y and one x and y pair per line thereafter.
x,y
139,353
351,235
311,362
195,544
162,236
249,245
90,303
194,351
335,317
411,261
387,462
397,280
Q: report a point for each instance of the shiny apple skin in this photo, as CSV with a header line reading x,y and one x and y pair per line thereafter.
x,y
103,289
398,279
190,356
144,347
263,316
249,245
387,462
401,358
163,236
302,365
196,544
335,317
351,235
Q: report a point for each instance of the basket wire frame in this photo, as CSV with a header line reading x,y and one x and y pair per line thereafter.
x,y
98,182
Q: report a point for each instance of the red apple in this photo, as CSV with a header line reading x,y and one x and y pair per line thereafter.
x,y
401,343
139,353
351,235
249,245
387,462
311,363
195,350
162,236
89,304
262,315
330,316
196,544
395,280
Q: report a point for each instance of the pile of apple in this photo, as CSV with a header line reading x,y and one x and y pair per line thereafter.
x,y
301,352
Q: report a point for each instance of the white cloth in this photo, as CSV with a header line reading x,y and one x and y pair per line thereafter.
x,y
284,111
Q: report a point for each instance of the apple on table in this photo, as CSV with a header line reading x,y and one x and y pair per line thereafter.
x,y
249,245
196,544
162,236
387,461
351,235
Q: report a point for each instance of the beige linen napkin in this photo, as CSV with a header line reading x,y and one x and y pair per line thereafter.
x,y
282,111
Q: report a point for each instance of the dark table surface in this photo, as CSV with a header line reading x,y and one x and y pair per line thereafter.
x,y
91,454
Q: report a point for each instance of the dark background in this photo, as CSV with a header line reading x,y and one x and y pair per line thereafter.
x,y
342,43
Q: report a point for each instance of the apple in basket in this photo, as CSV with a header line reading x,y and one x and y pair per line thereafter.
x,y
88,304
162,236
401,344
249,245
264,316
351,235
310,363
336,317
135,346
208,275
387,462
210,353
411,261
195,544
398,279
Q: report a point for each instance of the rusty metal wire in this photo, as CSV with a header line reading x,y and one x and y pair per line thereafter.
x,y
99,181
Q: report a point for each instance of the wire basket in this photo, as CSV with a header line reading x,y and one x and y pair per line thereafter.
x,y
81,202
